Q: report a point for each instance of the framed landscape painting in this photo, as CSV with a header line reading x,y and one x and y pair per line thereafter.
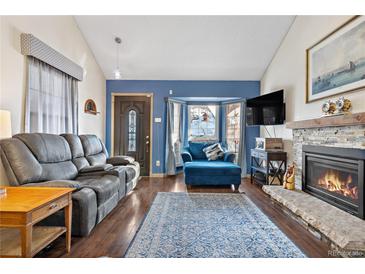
x,y
336,64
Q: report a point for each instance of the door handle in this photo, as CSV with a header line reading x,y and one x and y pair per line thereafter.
x,y
147,146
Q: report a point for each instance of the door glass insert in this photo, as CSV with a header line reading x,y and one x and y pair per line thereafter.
x,y
132,128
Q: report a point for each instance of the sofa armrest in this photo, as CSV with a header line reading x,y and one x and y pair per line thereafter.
x,y
229,156
95,168
186,156
55,183
120,160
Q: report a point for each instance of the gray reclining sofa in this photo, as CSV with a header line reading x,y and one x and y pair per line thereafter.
x,y
80,162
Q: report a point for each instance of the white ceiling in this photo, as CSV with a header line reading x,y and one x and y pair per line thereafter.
x,y
185,47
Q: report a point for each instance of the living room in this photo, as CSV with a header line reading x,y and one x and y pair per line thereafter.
x,y
182,136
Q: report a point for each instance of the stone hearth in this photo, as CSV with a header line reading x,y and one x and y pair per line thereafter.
x,y
343,231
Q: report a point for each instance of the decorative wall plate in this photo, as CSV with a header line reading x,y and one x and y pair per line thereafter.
x,y
90,107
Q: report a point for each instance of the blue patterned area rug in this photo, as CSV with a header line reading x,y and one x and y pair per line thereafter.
x,y
208,225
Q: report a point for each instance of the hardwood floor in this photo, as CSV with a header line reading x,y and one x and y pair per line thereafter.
x,y
113,235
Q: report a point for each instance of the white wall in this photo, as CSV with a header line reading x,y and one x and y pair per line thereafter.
x,y
288,71
63,34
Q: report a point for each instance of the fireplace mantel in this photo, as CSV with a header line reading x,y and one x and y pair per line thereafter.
x,y
333,121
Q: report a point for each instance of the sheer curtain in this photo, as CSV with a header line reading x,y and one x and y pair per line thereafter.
x,y
177,133
174,135
51,100
234,130
170,154
242,161
223,116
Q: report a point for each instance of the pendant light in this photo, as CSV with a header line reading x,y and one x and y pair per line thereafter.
x,y
118,41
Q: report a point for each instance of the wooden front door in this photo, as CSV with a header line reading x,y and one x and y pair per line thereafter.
x,y
132,129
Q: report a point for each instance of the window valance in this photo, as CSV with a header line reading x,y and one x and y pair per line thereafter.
x,y
32,46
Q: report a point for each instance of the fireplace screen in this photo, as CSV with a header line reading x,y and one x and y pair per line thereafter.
x,y
335,175
340,181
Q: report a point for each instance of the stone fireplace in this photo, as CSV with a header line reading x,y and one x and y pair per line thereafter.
x,y
335,175
331,136
330,156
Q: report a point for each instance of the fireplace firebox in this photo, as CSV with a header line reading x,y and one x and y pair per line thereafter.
x,y
335,175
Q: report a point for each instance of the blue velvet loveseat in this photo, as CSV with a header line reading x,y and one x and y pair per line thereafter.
x,y
199,171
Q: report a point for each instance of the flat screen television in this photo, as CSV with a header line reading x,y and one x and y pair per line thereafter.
x,y
268,109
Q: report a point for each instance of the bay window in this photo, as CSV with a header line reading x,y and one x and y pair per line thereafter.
x,y
203,122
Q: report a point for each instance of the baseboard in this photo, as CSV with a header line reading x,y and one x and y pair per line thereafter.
x,y
158,175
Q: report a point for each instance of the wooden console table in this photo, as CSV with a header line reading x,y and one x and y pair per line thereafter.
x,y
21,208
259,157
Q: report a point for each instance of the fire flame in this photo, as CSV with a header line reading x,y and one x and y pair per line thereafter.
x,y
331,181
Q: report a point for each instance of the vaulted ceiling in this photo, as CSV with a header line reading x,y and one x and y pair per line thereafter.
x,y
185,47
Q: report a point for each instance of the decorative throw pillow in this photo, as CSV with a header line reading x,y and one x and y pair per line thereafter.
x,y
214,152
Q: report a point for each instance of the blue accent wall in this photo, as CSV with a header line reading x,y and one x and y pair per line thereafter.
x,y
160,90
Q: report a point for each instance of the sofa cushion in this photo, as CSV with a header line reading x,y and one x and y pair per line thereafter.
x,y
59,171
91,144
80,163
211,168
97,159
20,164
56,183
75,145
47,148
196,150
118,170
77,151
94,149
104,186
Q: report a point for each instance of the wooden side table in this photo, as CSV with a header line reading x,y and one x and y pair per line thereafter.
x,y
259,157
21,208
